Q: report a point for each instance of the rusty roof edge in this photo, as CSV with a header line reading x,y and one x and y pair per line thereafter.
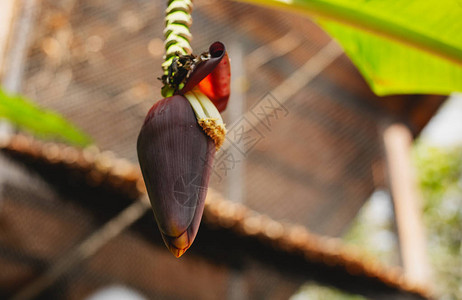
x,y
105,168
297,239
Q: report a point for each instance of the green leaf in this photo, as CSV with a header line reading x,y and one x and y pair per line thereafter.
x,y
399,46
43,123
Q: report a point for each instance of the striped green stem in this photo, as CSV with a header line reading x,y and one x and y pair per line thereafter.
x,y
177,34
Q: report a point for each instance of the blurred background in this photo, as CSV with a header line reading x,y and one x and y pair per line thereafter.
x,y
324,191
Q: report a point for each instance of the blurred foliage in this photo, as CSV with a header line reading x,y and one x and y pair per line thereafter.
x,y
373,229
400,47
440,178
43,123
439,174
372,233
314,291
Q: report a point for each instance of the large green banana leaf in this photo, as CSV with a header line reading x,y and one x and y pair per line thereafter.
x,y
43,123
400,46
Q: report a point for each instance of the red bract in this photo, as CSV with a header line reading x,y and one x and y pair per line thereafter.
x,y
176,156
216,85
213,77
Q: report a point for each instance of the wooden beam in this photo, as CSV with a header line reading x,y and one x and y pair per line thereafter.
x,y
406,199
19,37
7,14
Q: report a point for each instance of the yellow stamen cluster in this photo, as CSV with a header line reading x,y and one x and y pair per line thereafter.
x,y
214,130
